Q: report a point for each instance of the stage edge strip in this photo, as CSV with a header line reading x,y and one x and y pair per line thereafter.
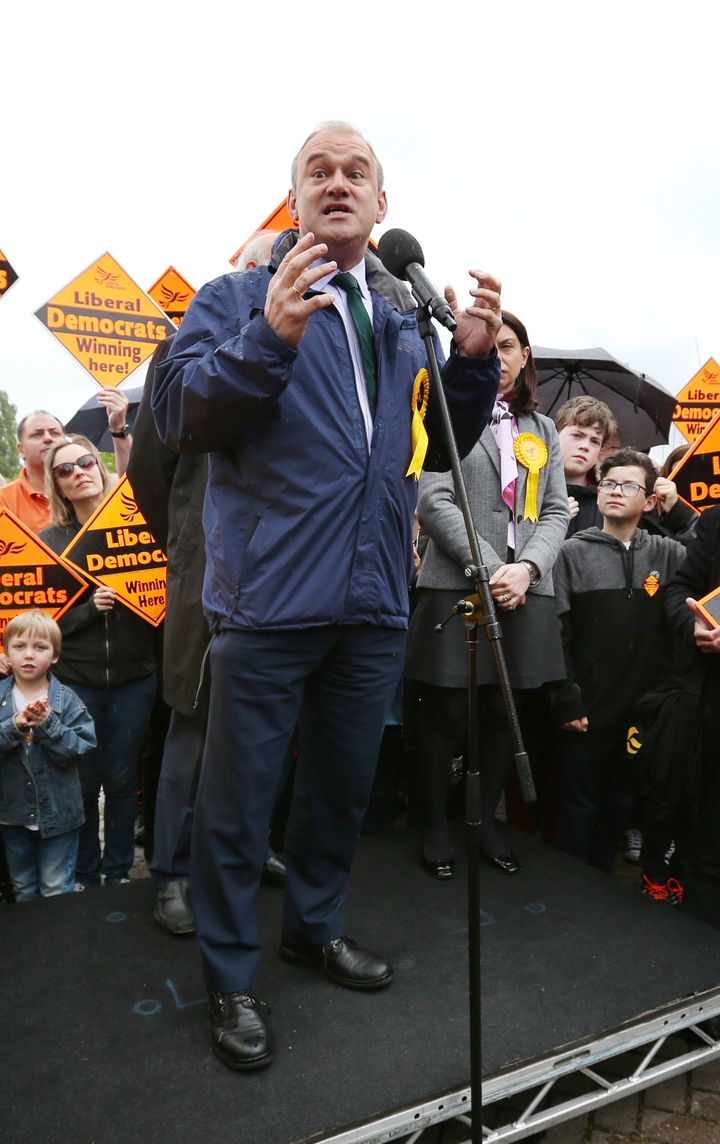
x,y
543,1073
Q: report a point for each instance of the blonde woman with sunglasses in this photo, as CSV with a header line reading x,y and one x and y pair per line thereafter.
x,y
109,661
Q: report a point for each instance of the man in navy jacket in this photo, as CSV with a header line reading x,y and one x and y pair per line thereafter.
x,y
308,518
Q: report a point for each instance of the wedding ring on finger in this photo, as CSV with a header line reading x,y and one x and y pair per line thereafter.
x,y
505,598
296,291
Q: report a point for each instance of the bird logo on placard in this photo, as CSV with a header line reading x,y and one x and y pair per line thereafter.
x,y
170,296
105,278
10,547
130,507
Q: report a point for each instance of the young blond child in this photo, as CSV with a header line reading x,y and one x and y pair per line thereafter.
x,y
44,729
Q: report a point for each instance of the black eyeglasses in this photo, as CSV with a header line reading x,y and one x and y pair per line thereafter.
x,y
87,461
627,488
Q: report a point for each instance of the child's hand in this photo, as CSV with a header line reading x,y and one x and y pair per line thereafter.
x,y
36,713
574,507
666,492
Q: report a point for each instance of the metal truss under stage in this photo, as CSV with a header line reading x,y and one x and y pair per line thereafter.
x,y
534,1087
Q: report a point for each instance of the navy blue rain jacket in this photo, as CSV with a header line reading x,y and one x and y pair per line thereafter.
x,y
304,525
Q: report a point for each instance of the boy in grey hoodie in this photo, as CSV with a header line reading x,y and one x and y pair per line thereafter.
x,y
609,588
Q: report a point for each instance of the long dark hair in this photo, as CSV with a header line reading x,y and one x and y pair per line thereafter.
x,y
521,399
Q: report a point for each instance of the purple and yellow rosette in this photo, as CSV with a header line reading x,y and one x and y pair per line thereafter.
x,y
419,437
532,453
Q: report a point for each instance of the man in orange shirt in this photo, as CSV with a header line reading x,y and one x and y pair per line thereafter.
x,y
25,496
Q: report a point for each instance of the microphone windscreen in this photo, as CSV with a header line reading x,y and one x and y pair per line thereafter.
x,y
397,249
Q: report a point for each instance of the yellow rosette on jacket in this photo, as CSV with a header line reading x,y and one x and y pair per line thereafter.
x,y
419,437
532,453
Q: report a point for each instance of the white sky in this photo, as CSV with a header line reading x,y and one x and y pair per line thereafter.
x,y
573,149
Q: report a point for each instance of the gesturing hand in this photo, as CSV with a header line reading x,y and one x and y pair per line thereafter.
x,y
478,323
287,311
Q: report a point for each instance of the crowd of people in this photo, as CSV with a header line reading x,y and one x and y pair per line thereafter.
x,y
278,421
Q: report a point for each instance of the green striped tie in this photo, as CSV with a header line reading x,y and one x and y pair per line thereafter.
x,y
362,324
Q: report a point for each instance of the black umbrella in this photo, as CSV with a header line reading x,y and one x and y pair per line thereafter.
x,y
91,419
642,407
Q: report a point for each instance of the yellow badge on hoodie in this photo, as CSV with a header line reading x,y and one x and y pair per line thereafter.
x,y
633,742
651,583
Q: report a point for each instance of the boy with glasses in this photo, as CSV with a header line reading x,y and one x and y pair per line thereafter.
x,y
609,591
588,432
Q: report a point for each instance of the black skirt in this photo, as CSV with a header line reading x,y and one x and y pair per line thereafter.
x,y
531,643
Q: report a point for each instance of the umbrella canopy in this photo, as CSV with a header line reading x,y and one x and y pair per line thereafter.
x,y
91,419
642,407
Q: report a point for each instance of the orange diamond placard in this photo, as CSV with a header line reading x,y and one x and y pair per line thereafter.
x,y
106,322
31,575
279,219
173,294
7,275
116,548
697,474
698,402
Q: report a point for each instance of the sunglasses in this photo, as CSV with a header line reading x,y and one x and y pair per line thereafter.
x,y
87,461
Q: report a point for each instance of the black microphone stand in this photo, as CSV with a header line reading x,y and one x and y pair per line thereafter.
x,y
477,610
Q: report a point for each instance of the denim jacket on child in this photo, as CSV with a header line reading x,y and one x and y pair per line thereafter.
x,y
39,783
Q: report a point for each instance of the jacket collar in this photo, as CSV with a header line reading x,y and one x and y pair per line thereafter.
x,y
7,683
378,278
525,424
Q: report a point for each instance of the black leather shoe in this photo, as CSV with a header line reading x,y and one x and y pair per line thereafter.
x,y
239,1030
274,872
505,863
342,960
172,907
441,870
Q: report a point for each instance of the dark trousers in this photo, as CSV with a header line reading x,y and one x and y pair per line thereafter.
x,y
121,715
175,800
597,791
335,685
176,794
442,734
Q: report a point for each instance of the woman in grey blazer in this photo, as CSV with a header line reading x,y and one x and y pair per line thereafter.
x,y
517,493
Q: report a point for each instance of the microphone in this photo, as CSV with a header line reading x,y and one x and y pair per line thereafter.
x,y
402,255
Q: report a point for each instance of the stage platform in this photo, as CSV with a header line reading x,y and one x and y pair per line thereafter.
x,y
104,1025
